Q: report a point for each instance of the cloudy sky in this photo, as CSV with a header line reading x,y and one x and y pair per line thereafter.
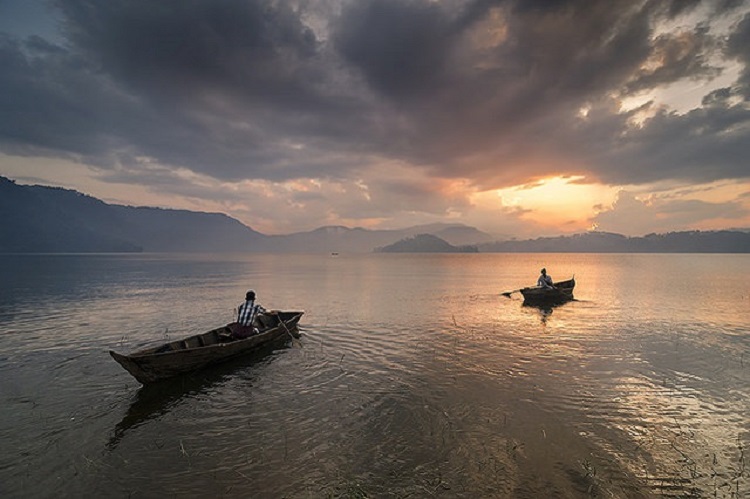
x,y
522,118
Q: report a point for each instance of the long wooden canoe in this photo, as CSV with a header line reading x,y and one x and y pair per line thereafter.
x,y
192,353
538,295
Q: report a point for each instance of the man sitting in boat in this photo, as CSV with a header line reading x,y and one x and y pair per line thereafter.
x,y
248,318
544,280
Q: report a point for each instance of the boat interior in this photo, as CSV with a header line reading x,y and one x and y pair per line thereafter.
x,y
219,335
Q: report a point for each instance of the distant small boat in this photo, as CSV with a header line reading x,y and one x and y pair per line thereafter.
x,y
195,352
560,293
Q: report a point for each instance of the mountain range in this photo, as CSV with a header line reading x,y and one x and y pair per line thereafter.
x,y
40,219
43,219
721,241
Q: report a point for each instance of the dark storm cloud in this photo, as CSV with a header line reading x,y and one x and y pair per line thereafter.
x,y
226,88
675,57
738,46
401,47
460,96
495,112
52,101
256,49
703,145
486,90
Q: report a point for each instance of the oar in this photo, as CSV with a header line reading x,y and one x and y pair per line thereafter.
x,y
283,324
508,293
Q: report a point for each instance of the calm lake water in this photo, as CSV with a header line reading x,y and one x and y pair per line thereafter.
x,y
414,377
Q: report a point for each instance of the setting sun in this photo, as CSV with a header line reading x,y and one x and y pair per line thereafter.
x,y
558,200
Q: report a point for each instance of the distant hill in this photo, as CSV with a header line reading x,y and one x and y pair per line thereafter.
x,y
425,243
43,219
337,238
50,219
455,234
160,230
53,219
723,241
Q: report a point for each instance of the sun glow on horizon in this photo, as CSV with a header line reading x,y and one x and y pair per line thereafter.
x,y
558,201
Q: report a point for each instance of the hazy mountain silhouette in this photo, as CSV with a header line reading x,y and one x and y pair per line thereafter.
x,y
42,219
45,219
455,234
52,219
49,219
722,241
158,229
425,243
337,239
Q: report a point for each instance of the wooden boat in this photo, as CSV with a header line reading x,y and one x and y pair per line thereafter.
x,y
192,353
537,295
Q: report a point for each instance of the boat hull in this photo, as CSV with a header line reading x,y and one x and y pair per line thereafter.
x,y
195,352
562,292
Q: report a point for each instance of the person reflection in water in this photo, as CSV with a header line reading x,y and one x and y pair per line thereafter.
x,y
248,317
544,313
544,281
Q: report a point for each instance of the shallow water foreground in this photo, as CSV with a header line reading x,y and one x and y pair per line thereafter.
x,y
414,377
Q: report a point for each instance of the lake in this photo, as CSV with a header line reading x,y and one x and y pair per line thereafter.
x,y
413,377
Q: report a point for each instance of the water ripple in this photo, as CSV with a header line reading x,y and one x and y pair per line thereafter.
x,y
413,377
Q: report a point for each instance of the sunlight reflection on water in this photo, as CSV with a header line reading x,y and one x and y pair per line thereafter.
x,y
413,376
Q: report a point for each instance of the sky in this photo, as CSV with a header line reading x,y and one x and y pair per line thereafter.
x,y
522,118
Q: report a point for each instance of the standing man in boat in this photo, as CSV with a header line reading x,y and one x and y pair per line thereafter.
x,y
544,280
247,317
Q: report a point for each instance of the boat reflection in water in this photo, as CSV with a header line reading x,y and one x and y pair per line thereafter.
x,y
545,309
154,400
547,299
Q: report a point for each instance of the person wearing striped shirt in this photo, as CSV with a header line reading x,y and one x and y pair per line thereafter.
x,y
247,316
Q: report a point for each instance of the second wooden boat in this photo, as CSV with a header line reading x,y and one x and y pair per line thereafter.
x,y
538,295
